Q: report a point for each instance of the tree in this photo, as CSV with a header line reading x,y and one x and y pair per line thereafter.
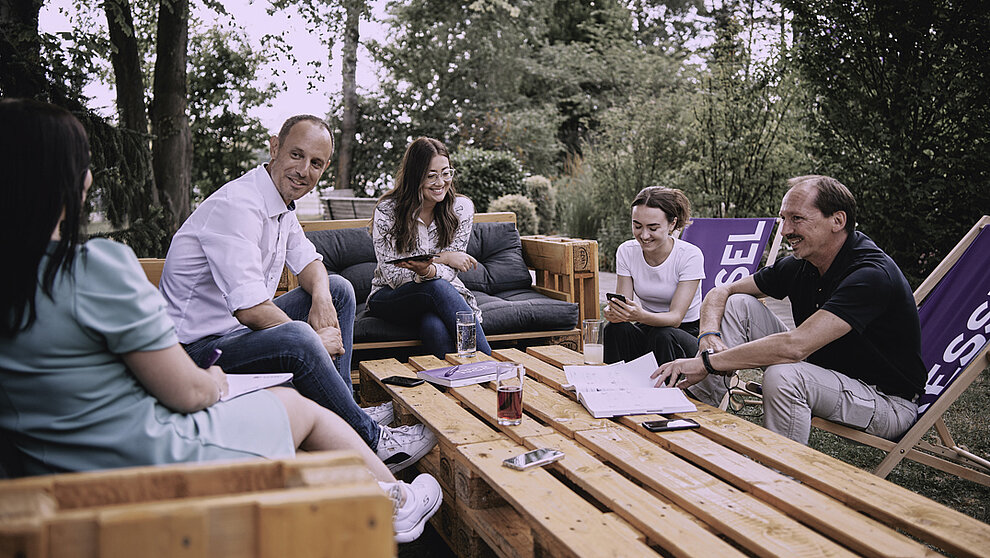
x,y
172,145
900,115
348,128
749,136
226,141
20,49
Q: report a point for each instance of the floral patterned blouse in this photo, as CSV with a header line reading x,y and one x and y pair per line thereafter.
x,y
389,275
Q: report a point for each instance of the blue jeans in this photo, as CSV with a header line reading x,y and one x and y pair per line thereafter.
x,y
434,305
295,347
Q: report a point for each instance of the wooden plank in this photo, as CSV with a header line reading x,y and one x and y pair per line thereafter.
x,y
152,269
445,417
535,368
898,507
182,480
358,521
575,527
749,522
664,524
177,534
826,515
556,355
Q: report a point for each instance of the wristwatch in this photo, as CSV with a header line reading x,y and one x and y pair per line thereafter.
x,y
705,355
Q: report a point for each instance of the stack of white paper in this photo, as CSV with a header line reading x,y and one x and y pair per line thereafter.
x,y
625,388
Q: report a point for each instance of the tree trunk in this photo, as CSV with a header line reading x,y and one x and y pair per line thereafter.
x,y
348,123
128,76
172,146
126,66
21,70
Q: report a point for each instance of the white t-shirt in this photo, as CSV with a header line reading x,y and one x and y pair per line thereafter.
x,y
654,286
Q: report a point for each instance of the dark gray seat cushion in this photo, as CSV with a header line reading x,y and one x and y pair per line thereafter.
x,y
501,283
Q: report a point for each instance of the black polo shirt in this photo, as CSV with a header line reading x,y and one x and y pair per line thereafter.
x,y
866,289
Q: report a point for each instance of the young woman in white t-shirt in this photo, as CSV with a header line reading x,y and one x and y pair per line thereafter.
x,y
664,276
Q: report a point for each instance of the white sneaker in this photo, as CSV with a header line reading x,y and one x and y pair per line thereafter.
x,y
382,414
402,446
414,503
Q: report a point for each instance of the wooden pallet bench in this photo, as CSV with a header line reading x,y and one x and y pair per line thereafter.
x,y
564,268
319,504
731,488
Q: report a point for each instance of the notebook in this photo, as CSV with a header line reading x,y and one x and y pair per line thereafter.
x,y
461,374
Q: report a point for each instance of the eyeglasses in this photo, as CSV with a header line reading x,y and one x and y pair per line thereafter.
x,y
446,176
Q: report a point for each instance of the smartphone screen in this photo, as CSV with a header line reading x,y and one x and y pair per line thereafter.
x,y
533,458
668,425
615,296
402,381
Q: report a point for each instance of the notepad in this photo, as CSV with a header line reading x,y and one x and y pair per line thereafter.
x,y
461,374
239,384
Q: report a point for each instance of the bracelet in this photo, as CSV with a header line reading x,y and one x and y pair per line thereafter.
x,y
427,276
705,355
707,333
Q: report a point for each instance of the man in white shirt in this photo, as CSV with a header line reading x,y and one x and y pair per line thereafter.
x,y
222,271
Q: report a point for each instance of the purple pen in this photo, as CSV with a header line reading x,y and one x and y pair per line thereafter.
x,y
213,358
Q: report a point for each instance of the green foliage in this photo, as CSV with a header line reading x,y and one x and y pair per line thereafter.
x,y
901,116
540,191
749,137
526,218
484,175
226,141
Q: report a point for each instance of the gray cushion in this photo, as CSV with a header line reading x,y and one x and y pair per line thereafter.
x,y
498,249
501,283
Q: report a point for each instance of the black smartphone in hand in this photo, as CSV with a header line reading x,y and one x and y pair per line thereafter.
x,y
403,381
615,296
668,425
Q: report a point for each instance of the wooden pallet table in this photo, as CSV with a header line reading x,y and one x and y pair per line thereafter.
x,y
730,488
319,504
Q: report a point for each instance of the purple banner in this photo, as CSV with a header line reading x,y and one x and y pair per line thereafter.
x,y
733,248
955,319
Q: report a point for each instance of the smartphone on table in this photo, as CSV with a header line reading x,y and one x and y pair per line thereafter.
x,y
403,381
533,458
669,424
615,296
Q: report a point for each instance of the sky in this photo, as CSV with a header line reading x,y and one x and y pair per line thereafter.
x,y
57,15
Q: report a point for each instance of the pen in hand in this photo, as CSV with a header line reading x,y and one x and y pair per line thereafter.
x,y
213,358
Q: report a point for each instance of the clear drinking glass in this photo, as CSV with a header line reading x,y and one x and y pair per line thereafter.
x,y
509,385
594,350
467,334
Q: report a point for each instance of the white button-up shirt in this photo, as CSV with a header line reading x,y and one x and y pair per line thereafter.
x,y
229,256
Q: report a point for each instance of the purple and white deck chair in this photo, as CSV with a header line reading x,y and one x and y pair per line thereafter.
x,y
733,248
954,307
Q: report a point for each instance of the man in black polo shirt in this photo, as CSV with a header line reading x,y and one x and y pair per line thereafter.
x,y
855,355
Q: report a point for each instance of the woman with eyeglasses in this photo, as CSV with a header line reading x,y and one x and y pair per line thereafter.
x,y
423,217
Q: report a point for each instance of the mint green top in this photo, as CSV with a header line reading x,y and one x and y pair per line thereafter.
x,y
69,403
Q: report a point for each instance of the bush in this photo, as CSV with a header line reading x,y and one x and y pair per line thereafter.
x,y
524,209
541,193
484,175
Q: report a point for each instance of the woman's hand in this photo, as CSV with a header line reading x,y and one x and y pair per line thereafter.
x,y
461,261
418,267
220,378
624,311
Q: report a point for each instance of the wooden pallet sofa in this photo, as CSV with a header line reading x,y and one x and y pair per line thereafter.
x,y
518,310
318,504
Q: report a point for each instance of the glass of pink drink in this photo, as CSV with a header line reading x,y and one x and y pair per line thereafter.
x,y
509,384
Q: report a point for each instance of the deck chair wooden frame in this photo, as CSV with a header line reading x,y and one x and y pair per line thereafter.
x,y
944,454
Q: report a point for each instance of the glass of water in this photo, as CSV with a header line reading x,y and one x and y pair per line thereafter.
x,y
593,348
467,334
